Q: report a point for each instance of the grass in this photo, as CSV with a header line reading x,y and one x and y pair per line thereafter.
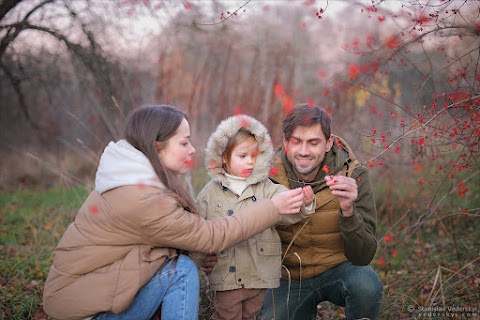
x,y
428,268
429,259
435,264
31,224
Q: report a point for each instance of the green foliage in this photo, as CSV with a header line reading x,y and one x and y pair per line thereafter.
x,y
31,224
435,265
38,218
431,262
428,250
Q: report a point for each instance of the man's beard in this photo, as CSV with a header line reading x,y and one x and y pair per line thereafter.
x,y
304,170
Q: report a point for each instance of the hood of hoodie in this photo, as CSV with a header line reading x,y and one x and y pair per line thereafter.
x,y
218,142
121,164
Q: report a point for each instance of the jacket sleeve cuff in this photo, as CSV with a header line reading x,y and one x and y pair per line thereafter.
x,y
308,210
349,224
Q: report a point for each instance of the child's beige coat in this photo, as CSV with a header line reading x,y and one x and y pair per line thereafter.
x,y
256,262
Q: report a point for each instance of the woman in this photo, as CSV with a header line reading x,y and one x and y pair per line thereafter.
x,y
125,253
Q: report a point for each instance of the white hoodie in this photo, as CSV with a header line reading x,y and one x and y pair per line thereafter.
x,y
121,164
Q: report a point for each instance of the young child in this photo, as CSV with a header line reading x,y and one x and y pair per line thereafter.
x,y
238,157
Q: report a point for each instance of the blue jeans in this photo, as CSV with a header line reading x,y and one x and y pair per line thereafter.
x,y
357,288
176,287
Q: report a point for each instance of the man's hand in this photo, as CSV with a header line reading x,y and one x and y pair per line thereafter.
x,y
308,195
346,190
208,263
289,202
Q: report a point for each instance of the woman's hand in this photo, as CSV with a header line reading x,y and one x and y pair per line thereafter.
x,y
289,202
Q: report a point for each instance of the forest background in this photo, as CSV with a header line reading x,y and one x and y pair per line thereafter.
x,y
401,80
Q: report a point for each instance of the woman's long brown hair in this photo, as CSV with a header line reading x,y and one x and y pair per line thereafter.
x,y
158,123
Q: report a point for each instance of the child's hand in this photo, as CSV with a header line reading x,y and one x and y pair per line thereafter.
x,y
208,263
289,202
308,195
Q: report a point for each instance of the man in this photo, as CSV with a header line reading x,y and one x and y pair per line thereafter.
x,y
326,256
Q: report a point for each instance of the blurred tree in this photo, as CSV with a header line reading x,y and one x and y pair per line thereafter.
x,y
56,45
216,70
406,71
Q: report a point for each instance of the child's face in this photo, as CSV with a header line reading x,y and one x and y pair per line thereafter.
x,y
243,158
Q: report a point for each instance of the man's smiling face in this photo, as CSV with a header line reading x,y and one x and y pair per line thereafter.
x,y
306,150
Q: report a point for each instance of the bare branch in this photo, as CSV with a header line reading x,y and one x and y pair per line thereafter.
x,y
16,28
6,6
224,18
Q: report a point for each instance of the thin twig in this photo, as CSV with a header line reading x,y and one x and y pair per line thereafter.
x,y
224,19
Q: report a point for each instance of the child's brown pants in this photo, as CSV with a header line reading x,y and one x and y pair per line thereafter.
x,y
238,304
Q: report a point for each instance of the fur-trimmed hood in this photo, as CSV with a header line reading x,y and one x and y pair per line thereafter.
x,y
218,142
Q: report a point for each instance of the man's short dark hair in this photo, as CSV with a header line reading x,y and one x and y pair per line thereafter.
x,y
306,115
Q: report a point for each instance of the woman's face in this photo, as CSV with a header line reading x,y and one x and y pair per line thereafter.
x,y
178,151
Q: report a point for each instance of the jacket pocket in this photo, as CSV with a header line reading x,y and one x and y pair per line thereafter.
x,y
222,268
268,248
269,259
